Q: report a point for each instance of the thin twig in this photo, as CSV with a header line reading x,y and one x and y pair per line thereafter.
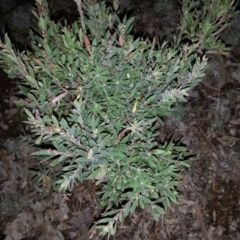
x,y
79,5
181,223
201,221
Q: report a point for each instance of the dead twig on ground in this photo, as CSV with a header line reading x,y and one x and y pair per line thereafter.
x,y
181,223
201,221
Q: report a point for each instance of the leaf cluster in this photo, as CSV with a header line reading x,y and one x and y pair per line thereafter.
x,y
202,22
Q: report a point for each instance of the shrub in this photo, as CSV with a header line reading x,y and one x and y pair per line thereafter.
x,y
93,96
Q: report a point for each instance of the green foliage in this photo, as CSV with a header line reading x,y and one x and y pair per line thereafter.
x,y
202,22
94,99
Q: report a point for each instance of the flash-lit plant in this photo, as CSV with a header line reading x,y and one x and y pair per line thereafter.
x,y
94,96
203,21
